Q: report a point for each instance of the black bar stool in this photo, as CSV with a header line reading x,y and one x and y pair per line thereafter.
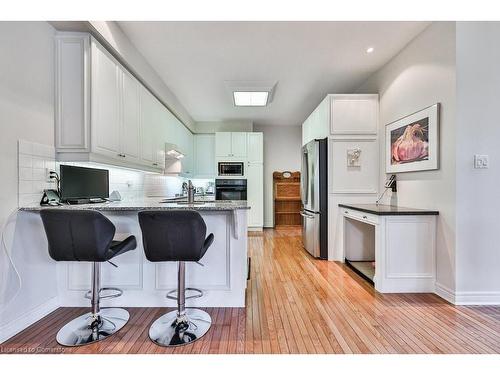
x,y
87,236
177,236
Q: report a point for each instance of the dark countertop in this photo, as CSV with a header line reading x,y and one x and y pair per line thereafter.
x,y
386,210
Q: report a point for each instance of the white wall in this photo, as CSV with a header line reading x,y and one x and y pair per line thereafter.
x,y
282,145
478,132
26,98
422,74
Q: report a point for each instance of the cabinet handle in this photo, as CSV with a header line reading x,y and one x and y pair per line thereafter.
x,y
346,212
364,217
155,164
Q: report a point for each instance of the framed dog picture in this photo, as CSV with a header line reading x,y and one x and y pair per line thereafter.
x,y
412,143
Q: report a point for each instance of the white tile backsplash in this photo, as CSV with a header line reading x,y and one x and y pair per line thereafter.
x,y
34,159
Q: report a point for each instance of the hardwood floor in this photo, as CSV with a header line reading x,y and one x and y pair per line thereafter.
x,y
297,304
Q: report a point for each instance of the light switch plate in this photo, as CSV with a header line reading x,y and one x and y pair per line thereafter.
x,y
481,161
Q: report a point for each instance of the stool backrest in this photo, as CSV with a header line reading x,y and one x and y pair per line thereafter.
x,y
176,235
78,235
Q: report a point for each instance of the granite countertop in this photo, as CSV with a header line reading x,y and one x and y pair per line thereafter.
x,y
386,210
149,204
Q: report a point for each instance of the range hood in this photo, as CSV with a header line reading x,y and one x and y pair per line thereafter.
x,y
173,152
173,160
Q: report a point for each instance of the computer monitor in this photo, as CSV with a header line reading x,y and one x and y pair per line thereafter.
x,y
79,184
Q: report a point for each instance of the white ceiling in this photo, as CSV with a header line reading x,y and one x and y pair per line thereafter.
x,y
308,59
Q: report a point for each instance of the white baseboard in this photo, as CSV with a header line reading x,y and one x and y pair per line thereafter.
x,y
255,229
14,327
477,298
445,293
468,298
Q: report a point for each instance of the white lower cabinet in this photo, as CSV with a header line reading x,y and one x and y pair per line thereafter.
x,y
255,195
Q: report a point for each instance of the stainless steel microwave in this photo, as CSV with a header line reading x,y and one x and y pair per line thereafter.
x,y
230,168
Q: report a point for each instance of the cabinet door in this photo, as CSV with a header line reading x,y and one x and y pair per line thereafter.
x,y
255,194
354,114
204,150
159,134
255,147
186,145
131,118
239,145
222,144
105,104
147,127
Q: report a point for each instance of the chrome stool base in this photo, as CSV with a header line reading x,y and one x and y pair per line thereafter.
x,y
79,331
168,330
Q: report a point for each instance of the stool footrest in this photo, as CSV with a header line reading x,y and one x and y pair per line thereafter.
x,y
118,293
172,293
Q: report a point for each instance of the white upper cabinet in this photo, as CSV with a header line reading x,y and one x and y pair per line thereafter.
x,y
342,115
104,114
223,144
354,114
186,145
72,85
204,151
130,134
232,145
239,145
105,103
147,127
255,147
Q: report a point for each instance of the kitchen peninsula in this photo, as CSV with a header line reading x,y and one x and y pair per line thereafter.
x,y
46,284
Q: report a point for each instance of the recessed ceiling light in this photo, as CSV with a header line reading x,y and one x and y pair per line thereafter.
x,y
370,50
250,98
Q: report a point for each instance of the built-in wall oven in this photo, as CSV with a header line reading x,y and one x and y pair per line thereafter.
x,y
230,189
230,168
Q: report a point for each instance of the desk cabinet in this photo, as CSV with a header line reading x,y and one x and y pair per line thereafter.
x,y
400,242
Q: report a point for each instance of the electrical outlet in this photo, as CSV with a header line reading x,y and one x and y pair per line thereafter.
x,y
481,161
47,175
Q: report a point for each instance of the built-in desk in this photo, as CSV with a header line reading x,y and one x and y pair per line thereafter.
x,y
393,246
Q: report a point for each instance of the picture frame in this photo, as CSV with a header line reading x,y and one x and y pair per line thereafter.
x,y
412,142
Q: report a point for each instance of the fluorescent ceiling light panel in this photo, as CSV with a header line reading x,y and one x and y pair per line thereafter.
x,y
250,98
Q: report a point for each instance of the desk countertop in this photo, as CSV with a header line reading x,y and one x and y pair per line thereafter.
x,y
386,210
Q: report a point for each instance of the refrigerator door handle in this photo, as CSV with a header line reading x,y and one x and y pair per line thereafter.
x,y
305,177
303,214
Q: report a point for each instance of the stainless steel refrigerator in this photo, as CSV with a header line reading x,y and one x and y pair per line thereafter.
x,y
314,196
